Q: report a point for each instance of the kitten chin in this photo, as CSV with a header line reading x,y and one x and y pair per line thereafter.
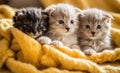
x,y
32,21
62,22
94,31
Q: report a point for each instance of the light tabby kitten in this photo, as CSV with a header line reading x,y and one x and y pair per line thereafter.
x,y
63,24
94,31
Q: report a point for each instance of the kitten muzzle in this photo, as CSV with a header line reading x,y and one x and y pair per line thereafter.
x,y
93,33
67,29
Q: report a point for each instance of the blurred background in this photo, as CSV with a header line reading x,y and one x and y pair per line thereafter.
x,y
111,6
108,5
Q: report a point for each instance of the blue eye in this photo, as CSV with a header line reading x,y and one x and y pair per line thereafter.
x,y
61,22
87,26
99,27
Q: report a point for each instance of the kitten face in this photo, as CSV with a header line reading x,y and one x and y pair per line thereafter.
x,y
62,19
94,24
31,21
62,25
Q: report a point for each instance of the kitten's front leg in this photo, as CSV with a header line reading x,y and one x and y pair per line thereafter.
x,y
44,40
88,50
57,43
103,46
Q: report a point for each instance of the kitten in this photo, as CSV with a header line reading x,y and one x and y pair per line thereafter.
x,y
63,24
94,31
32,21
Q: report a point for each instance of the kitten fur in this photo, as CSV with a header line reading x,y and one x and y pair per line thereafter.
x,y
32,21
63,23
94,31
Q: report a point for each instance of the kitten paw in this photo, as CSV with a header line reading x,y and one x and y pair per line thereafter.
x,y
89,52
57,43
44,40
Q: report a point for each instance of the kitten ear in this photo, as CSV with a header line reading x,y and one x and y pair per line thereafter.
x,y
80,15
51,11
44,14
108,17
77,10
18,16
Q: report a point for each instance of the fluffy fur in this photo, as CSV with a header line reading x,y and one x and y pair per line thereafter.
x,y
63,23
94,31
32,21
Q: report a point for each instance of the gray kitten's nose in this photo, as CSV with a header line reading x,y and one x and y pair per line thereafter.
x,y
93,33
68,29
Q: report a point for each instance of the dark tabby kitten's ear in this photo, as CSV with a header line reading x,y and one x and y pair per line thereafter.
x,y
45,15
18,16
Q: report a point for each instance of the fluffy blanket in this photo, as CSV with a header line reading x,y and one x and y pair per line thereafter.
x,y
20,53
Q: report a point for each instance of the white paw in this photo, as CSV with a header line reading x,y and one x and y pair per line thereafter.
x,y
89,52
44,40
57,43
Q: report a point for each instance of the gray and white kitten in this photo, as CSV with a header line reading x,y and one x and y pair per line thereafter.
x,y
94,31
63,24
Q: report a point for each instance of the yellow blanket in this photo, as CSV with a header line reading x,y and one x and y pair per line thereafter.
x,y
20,53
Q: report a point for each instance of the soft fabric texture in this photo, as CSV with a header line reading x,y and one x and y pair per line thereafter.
x,y
19,53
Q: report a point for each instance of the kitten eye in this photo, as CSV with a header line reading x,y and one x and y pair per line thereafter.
x,y
99,27
87,27
71,21
61,22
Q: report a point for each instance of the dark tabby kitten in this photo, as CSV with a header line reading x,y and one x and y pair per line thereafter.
x,y
32,21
